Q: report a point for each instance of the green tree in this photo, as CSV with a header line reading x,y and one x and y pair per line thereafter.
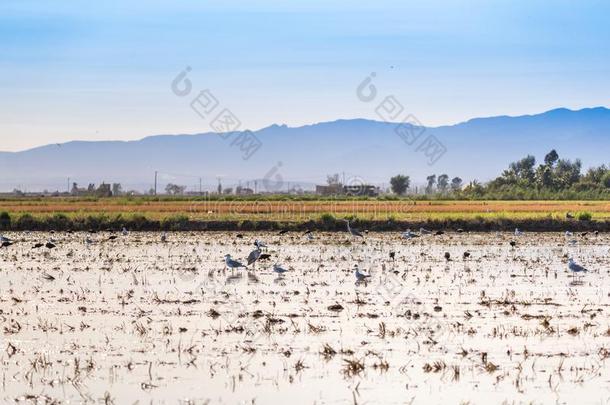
x,y
431,181
551,158
606,179
567,173
456,183
544,176
523,169
443,182
400,184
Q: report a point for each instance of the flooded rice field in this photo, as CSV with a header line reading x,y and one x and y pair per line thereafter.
x,y
134,319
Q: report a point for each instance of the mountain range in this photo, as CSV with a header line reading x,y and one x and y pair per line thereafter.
x,y
359,150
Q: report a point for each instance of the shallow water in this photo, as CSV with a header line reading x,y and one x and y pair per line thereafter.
x,y
135,319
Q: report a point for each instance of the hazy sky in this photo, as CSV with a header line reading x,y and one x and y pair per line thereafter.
x,y
102,69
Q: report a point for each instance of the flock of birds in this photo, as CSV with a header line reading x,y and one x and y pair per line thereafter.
x,y
259,252
360,275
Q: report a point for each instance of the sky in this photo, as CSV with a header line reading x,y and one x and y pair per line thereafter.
x,y
76,70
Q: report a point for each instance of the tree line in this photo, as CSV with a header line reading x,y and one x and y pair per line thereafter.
x,y
553,178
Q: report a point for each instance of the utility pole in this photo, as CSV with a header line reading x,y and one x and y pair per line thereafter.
x,y
155,182
68,185
200,192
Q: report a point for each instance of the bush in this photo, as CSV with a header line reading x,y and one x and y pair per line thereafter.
x,y
59,222
175,223
328,220
584,216
27,222
5,220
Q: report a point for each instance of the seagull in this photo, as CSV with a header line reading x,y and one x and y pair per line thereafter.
x,y
518,232
89,241
4,239
353,231
232,264
568,234
260,244
424,231
308,234
254,256
164,237
466,255
125,232
359,275
408,234
5,243
278,269
575,268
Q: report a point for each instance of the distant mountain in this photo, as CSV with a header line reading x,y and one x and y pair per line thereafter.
x,y
365,150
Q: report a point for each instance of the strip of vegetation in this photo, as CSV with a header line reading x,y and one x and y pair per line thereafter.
x,y
326,222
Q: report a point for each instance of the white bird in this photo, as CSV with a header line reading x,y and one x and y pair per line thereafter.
x,y
359,275
408,234
260,244
518,232
353,231
4,239
568,234
278,269
575,268
232,264
424,231
125,232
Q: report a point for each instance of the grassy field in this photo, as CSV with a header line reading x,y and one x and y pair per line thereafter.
x,y
298,211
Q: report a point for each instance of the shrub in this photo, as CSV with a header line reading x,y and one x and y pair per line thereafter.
x,y
59,222
584,216
27,222
5,220
175,223
328,220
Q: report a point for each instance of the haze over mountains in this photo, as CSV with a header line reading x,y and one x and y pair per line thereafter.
x,y
365,150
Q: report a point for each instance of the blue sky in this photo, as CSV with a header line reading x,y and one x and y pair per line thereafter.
x,y
102,70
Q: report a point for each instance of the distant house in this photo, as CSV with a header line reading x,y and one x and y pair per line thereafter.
x,y
353,190
104,190
243,191
331,189
361,190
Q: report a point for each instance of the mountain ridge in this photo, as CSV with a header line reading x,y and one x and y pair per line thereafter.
x,y
367,150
